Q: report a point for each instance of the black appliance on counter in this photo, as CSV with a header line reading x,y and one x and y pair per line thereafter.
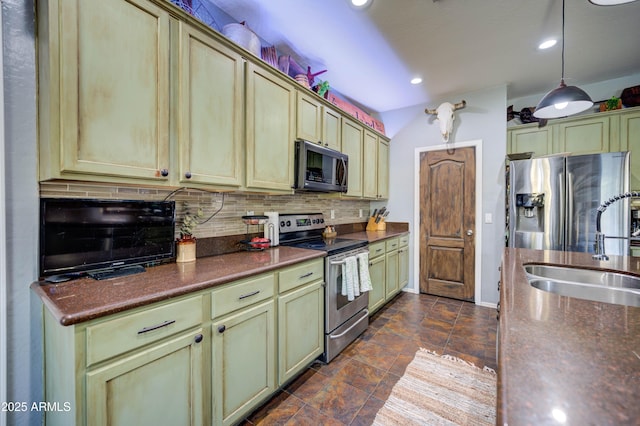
x,y
104,238
344,320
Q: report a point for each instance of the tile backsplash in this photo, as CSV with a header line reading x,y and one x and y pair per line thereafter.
x,y
228,207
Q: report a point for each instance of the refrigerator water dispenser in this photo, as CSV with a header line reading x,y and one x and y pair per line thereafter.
x,y
530,216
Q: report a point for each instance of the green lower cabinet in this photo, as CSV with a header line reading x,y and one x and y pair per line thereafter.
x,y
403,267
243,361
378,273
160,385
300,329
392,287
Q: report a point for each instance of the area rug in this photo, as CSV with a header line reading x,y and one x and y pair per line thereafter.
x,y
441,390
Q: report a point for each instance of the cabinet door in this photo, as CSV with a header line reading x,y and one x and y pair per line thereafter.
x,y
534,139
160,385
210,108
352,139
114,88
585,136
244,362
331,128
270,126
309,118
383,169
392,274
377,271
300,329
630,141
403,267
370,165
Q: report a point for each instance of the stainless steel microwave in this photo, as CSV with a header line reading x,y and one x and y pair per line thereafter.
x,y
320,169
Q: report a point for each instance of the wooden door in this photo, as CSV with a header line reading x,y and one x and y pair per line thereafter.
x,y
352,142
447,223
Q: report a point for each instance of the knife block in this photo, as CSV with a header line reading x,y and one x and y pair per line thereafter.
x,y
373,226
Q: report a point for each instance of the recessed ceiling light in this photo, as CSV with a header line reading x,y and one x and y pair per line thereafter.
x,y
547,44
416,80
610,2
361,3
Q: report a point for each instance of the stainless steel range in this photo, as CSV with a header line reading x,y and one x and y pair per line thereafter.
x,y
344,319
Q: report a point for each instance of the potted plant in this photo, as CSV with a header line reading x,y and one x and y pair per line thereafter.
x,y
186,244
611,104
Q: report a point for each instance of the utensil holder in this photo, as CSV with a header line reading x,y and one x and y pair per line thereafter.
x,y
373,226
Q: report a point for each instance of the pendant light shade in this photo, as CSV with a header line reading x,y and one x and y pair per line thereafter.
x,y
565,100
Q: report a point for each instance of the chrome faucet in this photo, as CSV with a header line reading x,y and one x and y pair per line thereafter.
x,y
599,244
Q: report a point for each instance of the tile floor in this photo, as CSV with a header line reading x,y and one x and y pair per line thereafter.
x,y
352,388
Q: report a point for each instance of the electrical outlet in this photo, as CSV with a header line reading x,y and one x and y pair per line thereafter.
x,y
360,213
333,214
249,212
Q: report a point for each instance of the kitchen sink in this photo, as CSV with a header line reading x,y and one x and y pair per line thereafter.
x,y
589,284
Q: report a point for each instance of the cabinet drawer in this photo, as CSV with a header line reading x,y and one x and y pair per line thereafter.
x,y
376,249
130,331
392,244
404,240
298,275
242,293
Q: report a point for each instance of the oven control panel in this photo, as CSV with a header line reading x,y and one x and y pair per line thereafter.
x,y
301,222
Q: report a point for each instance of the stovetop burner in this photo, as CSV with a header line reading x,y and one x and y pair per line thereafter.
x,y
305,231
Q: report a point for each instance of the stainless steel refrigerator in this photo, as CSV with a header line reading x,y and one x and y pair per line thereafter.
x,y
553,202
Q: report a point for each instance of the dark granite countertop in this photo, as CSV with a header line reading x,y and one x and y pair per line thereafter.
x,y
565,360
83,299
374,236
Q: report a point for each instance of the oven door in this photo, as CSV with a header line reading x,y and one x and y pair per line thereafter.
x,y
338,308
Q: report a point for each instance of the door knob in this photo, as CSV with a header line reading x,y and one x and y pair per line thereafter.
x,y
470,232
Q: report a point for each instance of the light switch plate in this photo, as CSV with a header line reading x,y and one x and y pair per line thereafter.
x,y
488,218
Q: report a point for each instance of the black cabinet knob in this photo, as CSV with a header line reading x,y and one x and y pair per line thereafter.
x,y
199,338
187,175
221,329
164,172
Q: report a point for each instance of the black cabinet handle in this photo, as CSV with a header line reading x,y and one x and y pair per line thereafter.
x,y
187,175
164,172
244,296
308,274
199,338
221,329
155,327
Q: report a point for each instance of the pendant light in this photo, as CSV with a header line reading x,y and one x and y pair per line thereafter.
x,y
565,100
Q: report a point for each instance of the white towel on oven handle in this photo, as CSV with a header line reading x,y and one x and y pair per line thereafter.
x,y
363,266
350,281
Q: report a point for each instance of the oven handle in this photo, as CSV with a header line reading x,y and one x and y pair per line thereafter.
x,y
342,262
366,314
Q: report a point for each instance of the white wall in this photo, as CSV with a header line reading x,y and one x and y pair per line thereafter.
x,y
483,118
19,172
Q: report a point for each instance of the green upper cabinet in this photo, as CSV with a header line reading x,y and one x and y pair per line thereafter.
x,y
630,141
210,111
370,165
530,139
97,116
586,136
352,145
383,169
309,118
375,166
331,128
317,122
270,129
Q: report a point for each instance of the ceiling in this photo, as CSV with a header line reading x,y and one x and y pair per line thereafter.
x,y
456,46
